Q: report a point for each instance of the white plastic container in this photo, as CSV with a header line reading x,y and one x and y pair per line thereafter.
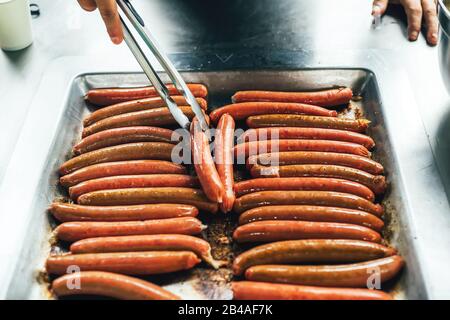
x,y
15,25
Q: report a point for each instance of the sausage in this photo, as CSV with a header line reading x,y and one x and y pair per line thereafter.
x,y
306,157
376,183
256,147
252,290
136,105
204,164
113,137
77,230
261,134
224,159
325,98
111,285
129,196
135,181
310,251
303,184
295,120
139,263
240,111
268,231
312,213
129,151
158,242
120,168
359,274
108,96
66,212
158,117
319,198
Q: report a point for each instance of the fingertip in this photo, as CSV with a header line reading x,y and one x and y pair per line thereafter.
x,y
413,35
117,39
432,38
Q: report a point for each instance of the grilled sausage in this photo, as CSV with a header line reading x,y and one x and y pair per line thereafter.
x,y
204,164
261,134
240,111
130,151
158,117
256,147
252,290
376,183
312,213
104,97
114,137
359,274
305,157
303,184
310,251
139,263
295,120
319,198
66,212
136,105
224,159
130,196
74,231
111,285
267,231
326,98
136,181
120,168
158,242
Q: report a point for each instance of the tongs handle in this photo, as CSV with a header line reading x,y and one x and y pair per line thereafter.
x,y
138,23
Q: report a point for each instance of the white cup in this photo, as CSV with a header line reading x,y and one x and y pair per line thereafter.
x,y
15,25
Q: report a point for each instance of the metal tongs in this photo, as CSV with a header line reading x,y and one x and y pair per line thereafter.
x,y
138,23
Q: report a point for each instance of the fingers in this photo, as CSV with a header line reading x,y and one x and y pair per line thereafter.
x,y
88,5
108,11
430,17
413,9
379,7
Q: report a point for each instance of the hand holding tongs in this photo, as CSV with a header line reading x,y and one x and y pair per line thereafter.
x,y
174,75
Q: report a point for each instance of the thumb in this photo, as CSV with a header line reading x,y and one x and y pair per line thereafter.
x,y
379,7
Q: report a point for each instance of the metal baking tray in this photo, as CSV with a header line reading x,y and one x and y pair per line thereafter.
x,y
25,279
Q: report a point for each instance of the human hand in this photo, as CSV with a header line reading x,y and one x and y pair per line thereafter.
x,y
416,11
110,16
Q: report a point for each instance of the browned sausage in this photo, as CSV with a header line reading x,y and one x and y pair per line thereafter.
x,y
303,184
136,105
295,120
74,231
311,251
158,117
139,263
114,137
111,285
326,98
157,242
66,212
261,134
376,183
267,231
108,96
347,275
312,213
204,164
319,198
120,168
247,149
224,159
307,157
130,151
136,181
252,290
240,111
